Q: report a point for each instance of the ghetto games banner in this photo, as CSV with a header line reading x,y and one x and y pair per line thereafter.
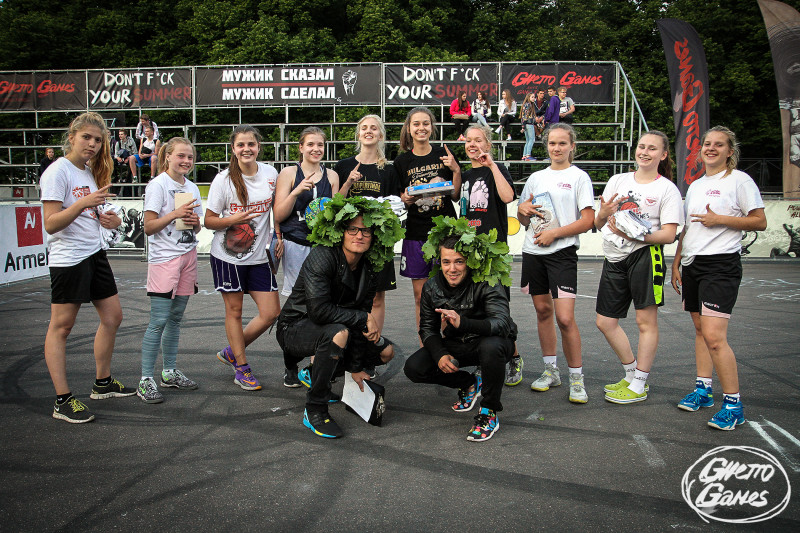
x,y
586,83
289,84
43,91
123,89
426,84
688,81
783,29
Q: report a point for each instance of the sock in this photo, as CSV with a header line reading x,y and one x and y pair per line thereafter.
x,y
168,371
576,370
61,399
103,382
549,359
731,399
146,377
705,382
630,369
639,381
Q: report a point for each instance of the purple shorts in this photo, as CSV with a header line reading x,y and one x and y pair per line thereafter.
x,y
229,277
412,265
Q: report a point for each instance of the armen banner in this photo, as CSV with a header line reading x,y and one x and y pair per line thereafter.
x,y
688,81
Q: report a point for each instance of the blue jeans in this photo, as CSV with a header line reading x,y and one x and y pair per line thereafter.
x,y
530,138
480,119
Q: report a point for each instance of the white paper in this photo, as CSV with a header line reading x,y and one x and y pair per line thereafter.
x,y
360,402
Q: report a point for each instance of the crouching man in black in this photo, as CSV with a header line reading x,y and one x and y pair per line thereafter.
x,y
329,316
464,323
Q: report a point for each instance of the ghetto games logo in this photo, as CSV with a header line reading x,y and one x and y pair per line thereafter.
x,y
736,484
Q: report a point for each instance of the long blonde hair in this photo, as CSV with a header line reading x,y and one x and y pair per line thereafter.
x,y
168,147
101,165
381,142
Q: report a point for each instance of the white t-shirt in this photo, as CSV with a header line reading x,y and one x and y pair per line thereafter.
x,y
566,103
222,199
733,195
159,197
571,192
658,202
64,182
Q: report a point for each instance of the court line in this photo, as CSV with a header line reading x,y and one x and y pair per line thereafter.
x,y
785,433
778,448
649,451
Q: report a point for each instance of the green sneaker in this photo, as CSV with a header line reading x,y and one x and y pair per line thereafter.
x,y
514,371
621,384
625,395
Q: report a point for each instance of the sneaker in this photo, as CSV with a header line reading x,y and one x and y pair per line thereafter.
x,y
514,372
526,158
461,138
245,378
621,384
467,398
499,129
304,376
371,372
148,391
290,378
730,416
322,424
577,390
700,397
625,395
73,411
334,397
115,389
551,377
226,356
508,138
486,425
178,380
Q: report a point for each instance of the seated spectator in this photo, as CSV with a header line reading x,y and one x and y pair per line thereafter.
x,y
481,110
461,112
124,152
506,111
566,106
148,151
145,121
49,157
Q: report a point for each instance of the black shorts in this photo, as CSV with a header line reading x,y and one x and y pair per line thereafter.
x,y
88,281
386,278
638,278
300,340
556,273
711,284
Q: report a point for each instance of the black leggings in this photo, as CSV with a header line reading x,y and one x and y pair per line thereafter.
x,y
506,121
461,125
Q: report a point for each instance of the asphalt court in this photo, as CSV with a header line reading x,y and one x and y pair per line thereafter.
x,y
221,458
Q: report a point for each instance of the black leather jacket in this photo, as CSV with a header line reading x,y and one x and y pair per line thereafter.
x,y
484,312
328,292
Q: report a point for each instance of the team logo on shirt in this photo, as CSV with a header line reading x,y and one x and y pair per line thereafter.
x,y
479,197
565,186
714,192
650,201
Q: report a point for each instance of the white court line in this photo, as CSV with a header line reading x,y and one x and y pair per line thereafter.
x,y
785,433
649,451
778,448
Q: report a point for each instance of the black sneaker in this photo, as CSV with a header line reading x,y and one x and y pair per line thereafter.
x,y
112,390
290,378
73,411
370,370
322,424
334,398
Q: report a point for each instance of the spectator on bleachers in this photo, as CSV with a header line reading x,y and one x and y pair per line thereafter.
x,y
481,109
540,108
507,110
145,121
461,111
148,151
49,157
566,106
124,151
553,107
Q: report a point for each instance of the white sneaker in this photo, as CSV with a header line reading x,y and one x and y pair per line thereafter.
x,y
551,377
577,390
508,138
499,129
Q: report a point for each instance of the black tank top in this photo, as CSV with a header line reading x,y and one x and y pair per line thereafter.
x,y
295,228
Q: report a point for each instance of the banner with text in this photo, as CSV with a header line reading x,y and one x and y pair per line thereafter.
x,y
24,249
688,82
122,89
586,83
289,84
43,91
426,84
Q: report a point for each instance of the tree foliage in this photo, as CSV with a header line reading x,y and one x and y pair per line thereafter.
x,y
80,34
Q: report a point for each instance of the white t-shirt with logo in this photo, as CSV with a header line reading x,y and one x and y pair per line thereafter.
x,y
571,192
733,195
658,202
159,197
64,182
222,199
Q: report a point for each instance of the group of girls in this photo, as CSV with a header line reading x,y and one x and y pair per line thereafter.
x,y
706,270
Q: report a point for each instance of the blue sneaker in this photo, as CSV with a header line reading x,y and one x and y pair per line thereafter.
x,y
467,398
486,424
730,416
700,397
322,424
305,376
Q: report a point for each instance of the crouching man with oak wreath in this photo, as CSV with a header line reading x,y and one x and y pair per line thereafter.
x,y
465,321
329,313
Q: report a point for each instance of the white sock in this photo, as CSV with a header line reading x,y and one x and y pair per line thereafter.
x,y
630,369
147,377
732,398
706,381
639,381
549,359
576,370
